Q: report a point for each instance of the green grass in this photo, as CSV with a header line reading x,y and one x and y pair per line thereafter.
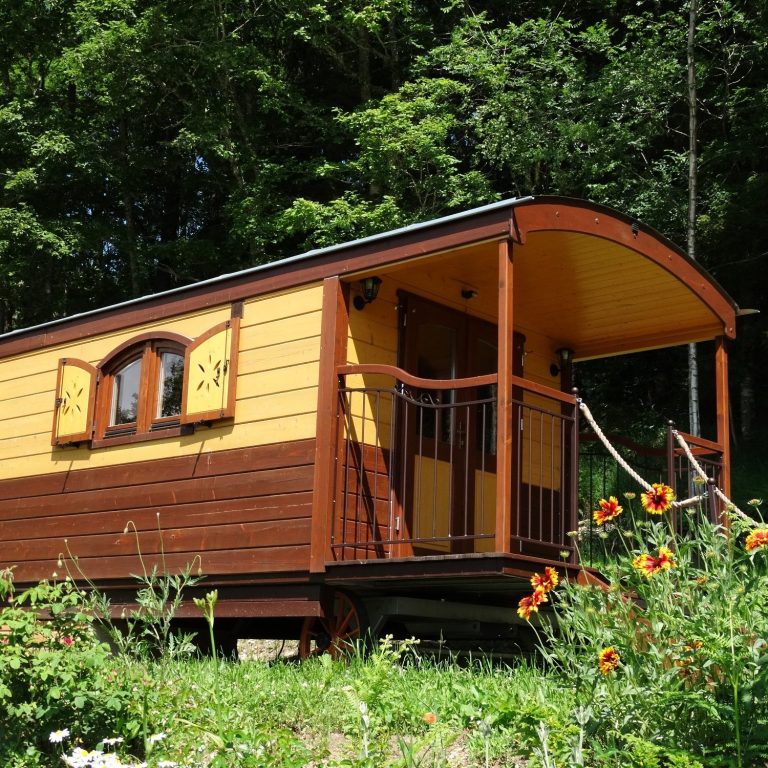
x,y
317,708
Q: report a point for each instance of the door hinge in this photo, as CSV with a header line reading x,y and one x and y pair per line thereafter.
x,y
397,524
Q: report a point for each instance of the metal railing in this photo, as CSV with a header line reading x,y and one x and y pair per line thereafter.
x,y
601,476
417,466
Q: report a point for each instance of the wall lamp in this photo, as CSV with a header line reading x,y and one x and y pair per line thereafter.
x,y
370,290
566,361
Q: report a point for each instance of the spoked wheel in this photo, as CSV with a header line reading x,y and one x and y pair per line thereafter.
x,y
337,634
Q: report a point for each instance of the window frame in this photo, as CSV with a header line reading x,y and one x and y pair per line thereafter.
x,y
147,348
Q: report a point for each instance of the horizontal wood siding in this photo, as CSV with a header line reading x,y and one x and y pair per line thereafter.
x,y
276,388
230,513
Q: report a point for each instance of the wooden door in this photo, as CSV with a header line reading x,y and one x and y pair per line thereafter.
x,y
449,464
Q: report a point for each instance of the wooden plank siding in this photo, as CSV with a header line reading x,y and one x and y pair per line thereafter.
x,y
276,388
245,511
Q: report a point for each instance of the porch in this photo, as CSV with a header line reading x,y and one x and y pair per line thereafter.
x,y
417,471
447,427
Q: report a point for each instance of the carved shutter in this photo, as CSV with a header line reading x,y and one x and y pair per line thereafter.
x,y
75,402
210,374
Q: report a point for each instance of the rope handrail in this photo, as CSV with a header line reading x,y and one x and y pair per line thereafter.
x,y
703,475
644,483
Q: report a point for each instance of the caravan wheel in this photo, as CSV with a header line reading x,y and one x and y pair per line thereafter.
x,y
338,634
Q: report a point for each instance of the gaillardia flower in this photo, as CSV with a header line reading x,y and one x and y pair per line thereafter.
x,y
658,499
530,604
547,582
609,509
649,565
608,659
757,539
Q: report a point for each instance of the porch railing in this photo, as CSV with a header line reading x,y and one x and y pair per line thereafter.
x,y
601,477
417,466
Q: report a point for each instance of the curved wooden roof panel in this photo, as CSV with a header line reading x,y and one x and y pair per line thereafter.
x,y
602,284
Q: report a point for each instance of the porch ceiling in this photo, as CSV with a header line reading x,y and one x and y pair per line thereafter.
x,y
591,294
601,298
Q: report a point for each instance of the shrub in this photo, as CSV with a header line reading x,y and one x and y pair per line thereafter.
x,y
673,653
54,673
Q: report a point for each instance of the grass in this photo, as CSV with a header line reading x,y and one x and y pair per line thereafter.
x,y
683,619
323,712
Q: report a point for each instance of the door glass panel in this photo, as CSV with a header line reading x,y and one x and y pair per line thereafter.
x,y
169,390
436,359
125,393
486,356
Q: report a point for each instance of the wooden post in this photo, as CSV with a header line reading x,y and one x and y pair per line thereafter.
x,y
504,432
723,410
333,353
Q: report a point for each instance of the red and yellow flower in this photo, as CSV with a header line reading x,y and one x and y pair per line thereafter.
x,y
657,499
530,604
609,509
649,565
666,559
608,659
547,582
757,539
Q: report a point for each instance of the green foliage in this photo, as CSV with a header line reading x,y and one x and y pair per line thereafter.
x,y
149,630
54,673
691,639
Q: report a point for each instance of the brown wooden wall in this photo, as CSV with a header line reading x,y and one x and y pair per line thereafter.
x,y
242,512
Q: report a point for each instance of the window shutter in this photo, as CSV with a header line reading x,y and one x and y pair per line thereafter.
x,y
75,402
210,374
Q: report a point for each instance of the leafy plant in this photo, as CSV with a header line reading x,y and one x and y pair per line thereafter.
x,y
673,651
148,630
53,671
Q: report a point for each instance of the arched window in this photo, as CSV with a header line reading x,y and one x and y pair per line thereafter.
x,y
157,384
141,386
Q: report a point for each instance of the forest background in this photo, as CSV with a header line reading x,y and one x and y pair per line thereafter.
x,y
148,144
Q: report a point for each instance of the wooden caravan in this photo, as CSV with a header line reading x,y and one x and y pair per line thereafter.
x,y
382,432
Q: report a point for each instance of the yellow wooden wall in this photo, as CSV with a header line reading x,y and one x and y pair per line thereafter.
x,y
373,340
276,388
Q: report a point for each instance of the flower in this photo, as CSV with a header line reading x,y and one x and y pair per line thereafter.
x,y
530,604
646,564
666,559
755,502
78,757
57,737
547,582
609,510
67,640
430,718
649,565
608,659
629,495
757,539
155,737
657,499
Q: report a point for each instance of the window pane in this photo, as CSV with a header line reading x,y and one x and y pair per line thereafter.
x,y
125,394
436,348
169,389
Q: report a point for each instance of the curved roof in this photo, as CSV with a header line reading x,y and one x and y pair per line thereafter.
x,y
590,276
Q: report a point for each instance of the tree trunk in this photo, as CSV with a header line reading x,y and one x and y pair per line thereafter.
x,y
694,426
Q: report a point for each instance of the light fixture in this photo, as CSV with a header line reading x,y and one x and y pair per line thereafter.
x,y
566,361
370,290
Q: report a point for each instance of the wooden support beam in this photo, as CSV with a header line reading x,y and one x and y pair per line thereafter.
x,y
723,410
333,353
504,442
